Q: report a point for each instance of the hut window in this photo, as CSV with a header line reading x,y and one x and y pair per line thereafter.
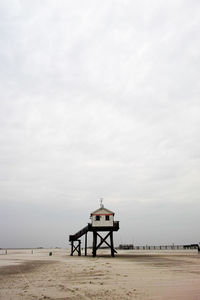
x,y
107,218
97,218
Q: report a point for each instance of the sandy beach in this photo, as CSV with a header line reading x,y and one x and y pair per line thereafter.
x,y
130,275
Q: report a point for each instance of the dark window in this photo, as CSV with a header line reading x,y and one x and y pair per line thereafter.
x,y
97,218
107,218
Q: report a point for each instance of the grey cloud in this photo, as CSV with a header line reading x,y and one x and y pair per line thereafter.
x,y
100,99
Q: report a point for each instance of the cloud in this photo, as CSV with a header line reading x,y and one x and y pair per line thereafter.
x,y
99,99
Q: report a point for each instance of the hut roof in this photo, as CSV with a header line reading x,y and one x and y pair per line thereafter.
x,y
102,210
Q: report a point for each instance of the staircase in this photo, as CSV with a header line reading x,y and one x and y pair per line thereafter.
x,y
77,235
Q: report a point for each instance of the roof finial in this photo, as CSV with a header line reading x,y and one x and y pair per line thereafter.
x,y
101,202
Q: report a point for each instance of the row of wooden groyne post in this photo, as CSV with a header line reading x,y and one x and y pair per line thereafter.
x,y
161,247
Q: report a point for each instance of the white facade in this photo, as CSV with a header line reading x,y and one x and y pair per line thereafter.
x,y
102,217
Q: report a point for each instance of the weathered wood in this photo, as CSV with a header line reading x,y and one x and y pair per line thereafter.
x,y
72,248
115,227
79,248
94,252
74,238
86,244
103,240
76,248
112,244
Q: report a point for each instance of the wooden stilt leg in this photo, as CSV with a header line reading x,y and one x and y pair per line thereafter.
x,y
86,244
94,243
72,247
112,244
79,248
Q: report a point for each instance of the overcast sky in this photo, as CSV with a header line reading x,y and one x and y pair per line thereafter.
x,y
99,99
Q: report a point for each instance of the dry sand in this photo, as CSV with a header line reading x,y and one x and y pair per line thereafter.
x,y
130,275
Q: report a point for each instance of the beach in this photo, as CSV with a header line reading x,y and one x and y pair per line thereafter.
x,y
33,274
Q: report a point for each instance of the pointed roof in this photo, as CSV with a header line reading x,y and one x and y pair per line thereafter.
x,y
102,210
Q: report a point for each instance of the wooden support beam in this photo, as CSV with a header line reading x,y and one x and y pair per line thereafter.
x,y
79,247
112,244
94,252
103,240
76,248
86,244
72,247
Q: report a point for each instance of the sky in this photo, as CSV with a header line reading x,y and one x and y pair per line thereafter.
x,y
99,99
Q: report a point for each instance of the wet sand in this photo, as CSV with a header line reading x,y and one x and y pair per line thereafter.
x,y
130,275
